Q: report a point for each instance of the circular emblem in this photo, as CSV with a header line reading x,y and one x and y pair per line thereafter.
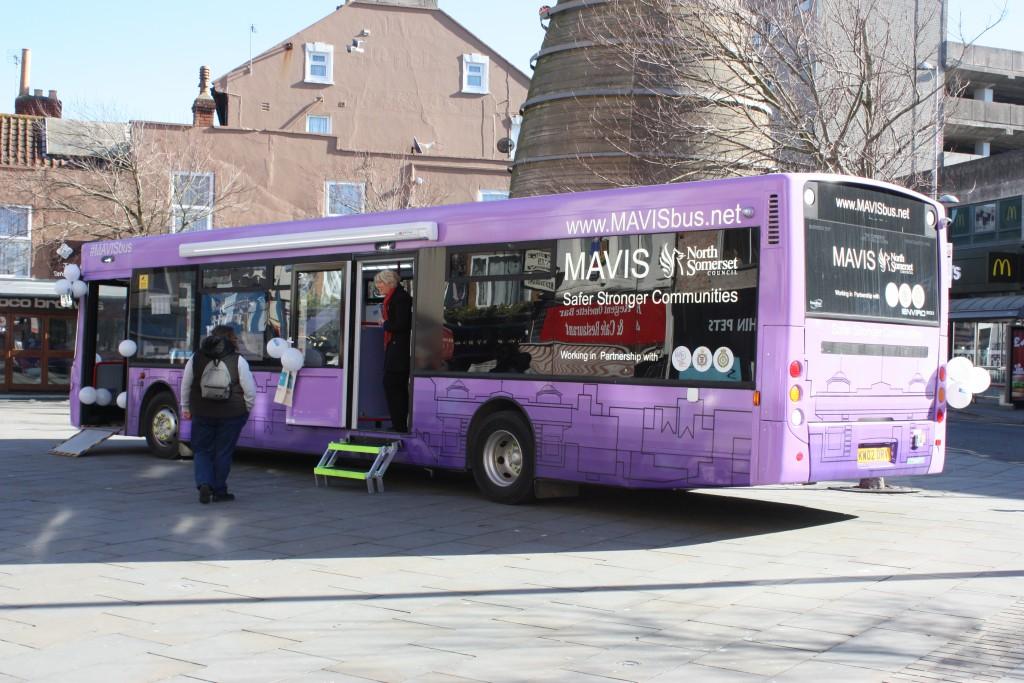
x,y
681,358
917,296
905,295
892,294
702,359
723,359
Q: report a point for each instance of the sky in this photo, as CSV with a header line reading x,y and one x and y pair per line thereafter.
x,y
126,59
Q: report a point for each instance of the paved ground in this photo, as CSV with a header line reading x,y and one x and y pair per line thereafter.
x,y
110,570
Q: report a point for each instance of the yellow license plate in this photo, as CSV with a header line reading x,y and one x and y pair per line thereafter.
x,y
872,455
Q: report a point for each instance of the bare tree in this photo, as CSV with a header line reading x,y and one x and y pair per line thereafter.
x,y
734,87
117,180
389,183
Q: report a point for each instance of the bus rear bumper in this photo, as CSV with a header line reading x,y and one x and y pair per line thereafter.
x,y
856,450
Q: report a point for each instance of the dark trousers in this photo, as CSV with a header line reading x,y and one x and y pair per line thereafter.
x,y
213,445
396,391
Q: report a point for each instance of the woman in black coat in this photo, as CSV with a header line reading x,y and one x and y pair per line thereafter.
x,y
397,323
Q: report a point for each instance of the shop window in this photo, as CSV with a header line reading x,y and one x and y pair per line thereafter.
x,y
162,315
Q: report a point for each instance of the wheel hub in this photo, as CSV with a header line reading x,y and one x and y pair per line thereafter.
x,y
503,458
165,426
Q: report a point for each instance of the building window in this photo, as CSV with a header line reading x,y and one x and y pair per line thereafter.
x,y
475,74
319,63
345,199
320,124
15,241
491,195
191,201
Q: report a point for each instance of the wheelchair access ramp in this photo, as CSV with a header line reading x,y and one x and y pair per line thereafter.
x,y
83,441
348,460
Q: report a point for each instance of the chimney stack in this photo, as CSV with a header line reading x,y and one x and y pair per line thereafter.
x,y
32,102
26,68
204,107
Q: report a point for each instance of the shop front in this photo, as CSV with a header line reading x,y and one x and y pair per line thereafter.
x,y
37,338
987,316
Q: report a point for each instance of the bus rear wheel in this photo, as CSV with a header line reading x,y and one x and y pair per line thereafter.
x,y
160,424
502,458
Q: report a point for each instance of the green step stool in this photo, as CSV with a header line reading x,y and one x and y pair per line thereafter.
x,y
383,451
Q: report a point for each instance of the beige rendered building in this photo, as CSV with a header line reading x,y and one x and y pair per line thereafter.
x,y
382,104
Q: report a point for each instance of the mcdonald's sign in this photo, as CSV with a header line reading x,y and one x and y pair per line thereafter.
x,y
1009,213
1003,267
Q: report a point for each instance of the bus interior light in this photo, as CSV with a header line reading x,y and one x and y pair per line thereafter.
x,y
795,368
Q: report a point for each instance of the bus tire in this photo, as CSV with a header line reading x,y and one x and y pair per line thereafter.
x,y
160,425
501,452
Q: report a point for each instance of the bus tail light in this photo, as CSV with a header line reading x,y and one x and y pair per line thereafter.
x,y
799,457
795,393
940,415
757,397
796,418
942,373
795,369
942,395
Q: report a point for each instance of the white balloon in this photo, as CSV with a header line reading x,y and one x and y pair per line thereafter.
x,y
276,347
87,395
957,395
979,380
959,369
127,348
72,272
103,397
79,288
122,400
292,360
62,287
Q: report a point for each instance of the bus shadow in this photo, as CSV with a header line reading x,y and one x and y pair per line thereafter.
x,y
118,504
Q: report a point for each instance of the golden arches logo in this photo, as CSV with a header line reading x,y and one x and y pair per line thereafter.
x,y
1012,213
1001,267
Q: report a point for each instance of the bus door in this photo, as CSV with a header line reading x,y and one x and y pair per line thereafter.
x,y
369,404
101,364
321,332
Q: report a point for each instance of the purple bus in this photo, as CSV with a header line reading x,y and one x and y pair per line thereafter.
x,y
773,329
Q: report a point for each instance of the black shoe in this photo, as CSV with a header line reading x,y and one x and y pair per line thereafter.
x,y
223,497
205,493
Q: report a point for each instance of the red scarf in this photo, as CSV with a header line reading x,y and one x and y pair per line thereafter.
x,y
384,314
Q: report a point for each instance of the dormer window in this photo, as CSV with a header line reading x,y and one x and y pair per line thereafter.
x,y
319,63
476,74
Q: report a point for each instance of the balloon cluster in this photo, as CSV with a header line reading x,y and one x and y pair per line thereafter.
x,y
71,283
964,381
292,359
103,397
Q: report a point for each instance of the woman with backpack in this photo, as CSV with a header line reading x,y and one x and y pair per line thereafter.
x,y
218,403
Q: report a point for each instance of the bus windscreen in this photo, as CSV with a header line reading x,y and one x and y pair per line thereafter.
x,y
870,255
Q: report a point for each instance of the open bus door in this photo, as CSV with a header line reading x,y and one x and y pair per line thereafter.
x,y
104,324
369,404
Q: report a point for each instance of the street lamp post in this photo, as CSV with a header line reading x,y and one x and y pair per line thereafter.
x,y
936,127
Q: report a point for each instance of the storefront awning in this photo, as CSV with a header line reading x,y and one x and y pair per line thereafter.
x,y
987,308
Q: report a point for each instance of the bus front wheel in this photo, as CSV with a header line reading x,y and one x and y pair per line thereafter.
x,y
160,425
501,457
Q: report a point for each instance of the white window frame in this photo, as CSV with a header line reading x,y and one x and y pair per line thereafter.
x,y
326,117
482,61
327,196
178,210
27,238
480,194
320,49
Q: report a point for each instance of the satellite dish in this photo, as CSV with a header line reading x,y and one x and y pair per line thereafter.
x,y
505,145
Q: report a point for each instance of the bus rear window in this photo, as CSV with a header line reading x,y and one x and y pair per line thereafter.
x,y
870,255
